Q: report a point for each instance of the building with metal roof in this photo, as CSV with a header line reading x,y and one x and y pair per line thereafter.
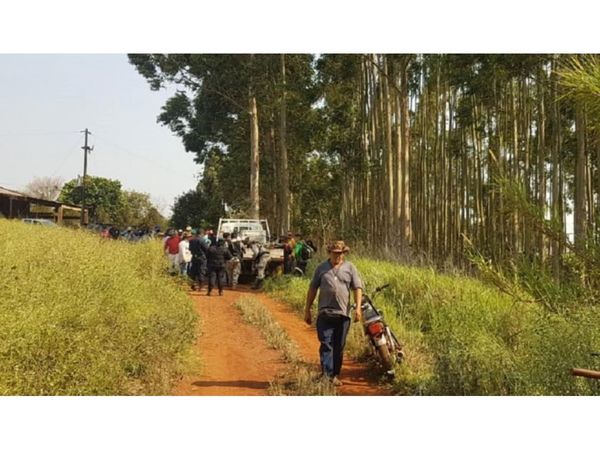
x,y
17,205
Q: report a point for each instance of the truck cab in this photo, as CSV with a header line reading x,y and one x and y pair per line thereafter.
x,y
253,229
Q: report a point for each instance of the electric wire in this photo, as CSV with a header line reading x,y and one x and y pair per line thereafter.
x,y
68,154
147,159
35,133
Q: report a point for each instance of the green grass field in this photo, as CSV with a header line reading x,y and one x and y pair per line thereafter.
x,y
463,337
85,316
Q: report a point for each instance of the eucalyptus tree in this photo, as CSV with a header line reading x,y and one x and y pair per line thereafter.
x,y
216,96
229,104
580,77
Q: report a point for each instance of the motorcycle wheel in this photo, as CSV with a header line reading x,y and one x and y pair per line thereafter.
x,y
397,348
385,357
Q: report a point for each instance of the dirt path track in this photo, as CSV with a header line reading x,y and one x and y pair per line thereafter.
x,y
236,359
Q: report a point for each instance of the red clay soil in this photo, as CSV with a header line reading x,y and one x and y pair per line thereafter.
x,y
236,359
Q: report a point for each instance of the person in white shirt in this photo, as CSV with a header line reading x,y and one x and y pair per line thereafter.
x,y
184,257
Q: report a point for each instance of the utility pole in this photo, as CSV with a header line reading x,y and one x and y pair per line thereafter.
x,y
86,150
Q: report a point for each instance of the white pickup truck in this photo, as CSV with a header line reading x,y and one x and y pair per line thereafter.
x,y
256,230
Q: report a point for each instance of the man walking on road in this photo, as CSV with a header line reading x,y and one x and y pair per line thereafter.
x,y
334,279
216,257
197,271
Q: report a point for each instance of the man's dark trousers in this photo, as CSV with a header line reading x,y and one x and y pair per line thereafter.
x,y
332,331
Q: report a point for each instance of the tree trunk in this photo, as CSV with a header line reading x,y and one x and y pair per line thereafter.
x,y
556,194
254,159
541,158
388,157
283,156
404,163
580,184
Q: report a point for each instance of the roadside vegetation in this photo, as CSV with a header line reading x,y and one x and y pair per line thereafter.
x,y
84,316
300,378
463,337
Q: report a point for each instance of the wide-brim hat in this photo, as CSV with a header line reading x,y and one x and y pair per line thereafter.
x,y
338,247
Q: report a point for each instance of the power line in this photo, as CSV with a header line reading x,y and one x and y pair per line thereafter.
x,y
36,133
159,164
68,154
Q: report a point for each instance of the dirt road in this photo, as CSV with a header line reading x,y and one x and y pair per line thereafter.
x,y
236,359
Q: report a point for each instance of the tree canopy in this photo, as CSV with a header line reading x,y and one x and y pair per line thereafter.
x,y
46,188
110,204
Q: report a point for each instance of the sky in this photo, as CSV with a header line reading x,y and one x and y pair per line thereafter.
x,y
46,100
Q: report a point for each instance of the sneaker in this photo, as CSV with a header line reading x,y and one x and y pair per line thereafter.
x,y
336,382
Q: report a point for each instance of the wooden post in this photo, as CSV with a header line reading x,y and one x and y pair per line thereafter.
x,y
585,373
59,215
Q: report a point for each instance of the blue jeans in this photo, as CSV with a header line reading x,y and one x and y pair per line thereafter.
x,y
332,332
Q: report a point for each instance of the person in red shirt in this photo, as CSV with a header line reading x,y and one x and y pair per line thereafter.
x,y
172,250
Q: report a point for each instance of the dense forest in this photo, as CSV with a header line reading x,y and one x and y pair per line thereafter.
x,y
429,157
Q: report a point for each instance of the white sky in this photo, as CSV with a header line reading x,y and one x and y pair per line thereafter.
x,y
47,99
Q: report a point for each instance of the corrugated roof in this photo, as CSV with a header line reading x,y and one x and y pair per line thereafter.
x,y
5,191
11,193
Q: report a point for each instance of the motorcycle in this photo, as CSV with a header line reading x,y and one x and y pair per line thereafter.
x,y
383,342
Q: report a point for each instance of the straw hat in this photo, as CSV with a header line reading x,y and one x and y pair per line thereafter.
x,y
338,247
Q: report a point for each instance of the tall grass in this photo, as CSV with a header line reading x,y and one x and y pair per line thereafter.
x,y
84,316
465,338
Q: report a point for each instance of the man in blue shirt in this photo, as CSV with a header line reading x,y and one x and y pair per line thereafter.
x,y
334,279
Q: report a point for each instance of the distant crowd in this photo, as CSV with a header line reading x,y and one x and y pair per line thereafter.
x,y
215,262
127,234
202,256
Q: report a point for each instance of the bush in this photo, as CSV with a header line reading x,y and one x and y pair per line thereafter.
x,y
85,316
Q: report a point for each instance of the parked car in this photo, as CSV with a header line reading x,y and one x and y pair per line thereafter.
x,y
44,222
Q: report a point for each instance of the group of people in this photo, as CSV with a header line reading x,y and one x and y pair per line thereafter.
x,y
296,253
201,256
129,233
